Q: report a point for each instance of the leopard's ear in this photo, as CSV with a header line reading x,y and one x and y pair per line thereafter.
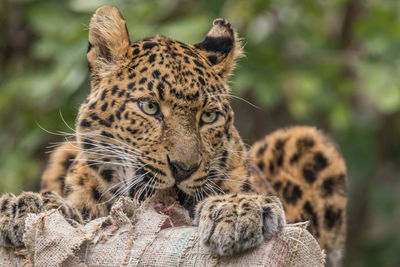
x,y
221,47
108,41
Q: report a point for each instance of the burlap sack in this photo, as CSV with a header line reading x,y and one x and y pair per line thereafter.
x,y
136,235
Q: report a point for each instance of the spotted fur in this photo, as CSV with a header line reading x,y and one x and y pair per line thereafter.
x,y
158,116
309,175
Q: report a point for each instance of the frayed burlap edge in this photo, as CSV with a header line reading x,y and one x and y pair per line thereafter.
x,y
132,236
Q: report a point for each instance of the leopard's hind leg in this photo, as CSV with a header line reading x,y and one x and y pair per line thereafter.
x,y
309,175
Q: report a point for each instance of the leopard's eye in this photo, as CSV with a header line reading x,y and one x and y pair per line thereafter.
x,y
209,117
150,108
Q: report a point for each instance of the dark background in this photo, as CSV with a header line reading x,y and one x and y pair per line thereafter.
x,y
330,63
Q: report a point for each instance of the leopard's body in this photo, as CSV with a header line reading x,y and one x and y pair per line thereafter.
x,y
158,116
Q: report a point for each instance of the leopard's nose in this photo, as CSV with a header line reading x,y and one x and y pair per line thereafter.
x,y
180,171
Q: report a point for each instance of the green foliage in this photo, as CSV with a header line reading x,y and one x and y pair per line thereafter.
x,y
334,64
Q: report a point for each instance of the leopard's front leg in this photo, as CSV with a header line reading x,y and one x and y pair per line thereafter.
x,y
234,223
15,209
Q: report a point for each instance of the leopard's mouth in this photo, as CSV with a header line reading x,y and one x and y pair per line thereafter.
x,y
185,200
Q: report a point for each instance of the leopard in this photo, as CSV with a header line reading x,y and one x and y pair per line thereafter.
x,y
158,116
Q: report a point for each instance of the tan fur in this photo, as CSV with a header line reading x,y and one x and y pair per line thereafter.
x,y
122,150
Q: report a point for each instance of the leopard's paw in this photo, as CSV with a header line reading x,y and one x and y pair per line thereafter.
x,y
15,209
234,223
52,200
13,212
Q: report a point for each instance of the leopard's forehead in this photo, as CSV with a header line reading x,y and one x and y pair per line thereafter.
x,y
172,72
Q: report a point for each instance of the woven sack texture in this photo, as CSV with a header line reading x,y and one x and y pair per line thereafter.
x,y
140,235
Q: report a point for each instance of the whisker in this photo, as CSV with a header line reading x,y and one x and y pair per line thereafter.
x,y
239,98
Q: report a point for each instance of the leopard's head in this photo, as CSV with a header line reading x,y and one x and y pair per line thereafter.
x,y
158,114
